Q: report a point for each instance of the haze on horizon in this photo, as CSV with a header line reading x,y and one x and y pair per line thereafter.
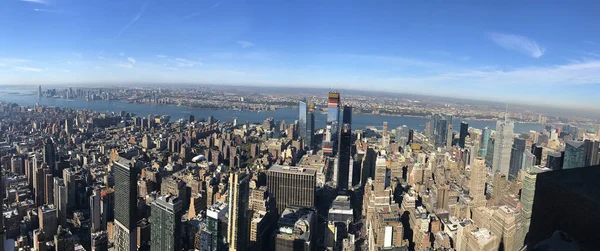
x,y
507,51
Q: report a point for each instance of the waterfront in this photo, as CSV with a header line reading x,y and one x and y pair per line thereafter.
x,y
360,121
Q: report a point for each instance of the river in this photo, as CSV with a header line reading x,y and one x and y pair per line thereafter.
x,y
359,121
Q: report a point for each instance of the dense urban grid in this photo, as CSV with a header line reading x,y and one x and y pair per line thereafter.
x,y
85,180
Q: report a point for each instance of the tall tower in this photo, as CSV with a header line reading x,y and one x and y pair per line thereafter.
x,y
503,146
485,138
464,131
125,210
477,182
166,228
333,118
344,148
39,91
237,227
516,158
50,155
310,127
95,211
302,120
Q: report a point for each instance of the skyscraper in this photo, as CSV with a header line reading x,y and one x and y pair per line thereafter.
x,y
302,120
442,129
215,222
574,154
237,227
333,118
537,152
39,91
592,156
485,138
292,186
344,148
125,210
516,158
503,146
477,180
95,214
310,127
464,131
50,156
167,211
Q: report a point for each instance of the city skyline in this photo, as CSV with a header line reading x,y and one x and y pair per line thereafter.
x,y
463,51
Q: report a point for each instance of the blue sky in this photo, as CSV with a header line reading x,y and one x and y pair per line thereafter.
x,y
544,53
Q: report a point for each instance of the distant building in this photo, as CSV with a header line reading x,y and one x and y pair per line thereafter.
x,y
464,131
485,138
503,146
516,158
333,118
292,186
295,230
574,155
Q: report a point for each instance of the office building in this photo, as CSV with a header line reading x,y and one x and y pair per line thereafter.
x,y
309,142
237,227
303,120
64,240
95,213
216,222
516,158
125,211
485,139
295,230
566,200
574,155
464,132
554,160
99,241
292,186
503,146
592,155
528,161
476,182
50,155
167,211
537,152
333,118
344,151
48,220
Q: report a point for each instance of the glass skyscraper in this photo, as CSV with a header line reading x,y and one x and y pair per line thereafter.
x,y
345,145
464,131
516,158
125,209
302,120
574,155
485,138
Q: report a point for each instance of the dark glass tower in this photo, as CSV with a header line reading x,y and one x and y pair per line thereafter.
x,y
344,149
310,127
166,223
591,152
464,131
516,158
125,208
50,156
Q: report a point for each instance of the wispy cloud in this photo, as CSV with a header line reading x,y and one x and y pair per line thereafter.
x,y
195,14
518,43
121,54
182,62
128,66
36,1
590,42
132,60
161,56
27,68
62,12
135,19
245,44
